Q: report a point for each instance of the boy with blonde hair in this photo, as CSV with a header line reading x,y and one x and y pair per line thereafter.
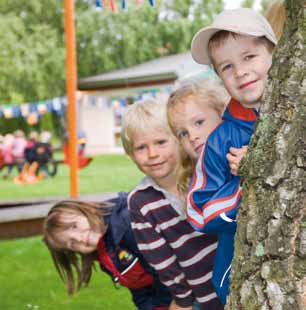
x,y
239,45
182,257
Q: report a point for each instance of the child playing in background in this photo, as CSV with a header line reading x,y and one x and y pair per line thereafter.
x,y
239,44
28,172
80,233
1,153
182,257
7,153
19,145
44,153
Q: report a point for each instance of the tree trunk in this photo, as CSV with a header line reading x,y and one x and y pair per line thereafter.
x,y
269,268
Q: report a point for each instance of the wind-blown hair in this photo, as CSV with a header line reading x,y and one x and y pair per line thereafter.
x,y
74,268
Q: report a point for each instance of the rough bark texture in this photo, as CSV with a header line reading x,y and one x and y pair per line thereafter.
x,y
269,268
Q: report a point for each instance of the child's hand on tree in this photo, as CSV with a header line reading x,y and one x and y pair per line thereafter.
x,y
234,158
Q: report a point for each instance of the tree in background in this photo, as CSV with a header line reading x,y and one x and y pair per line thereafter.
x,y
109,41
269,267
32,45
247,3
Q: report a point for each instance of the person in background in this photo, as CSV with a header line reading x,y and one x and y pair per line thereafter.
x,y
78,234
19,145
1,153
44,153
28,173
7,152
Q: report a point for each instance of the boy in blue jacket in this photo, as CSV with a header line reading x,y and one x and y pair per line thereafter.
x,y
239,45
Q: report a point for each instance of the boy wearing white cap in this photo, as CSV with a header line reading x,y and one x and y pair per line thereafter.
x,y
239,45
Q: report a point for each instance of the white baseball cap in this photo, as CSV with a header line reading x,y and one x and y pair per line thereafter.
x,y
243,21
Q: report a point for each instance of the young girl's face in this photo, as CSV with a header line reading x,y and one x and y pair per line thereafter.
x,y
79,236
193,122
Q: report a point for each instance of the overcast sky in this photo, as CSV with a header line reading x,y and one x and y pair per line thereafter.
x,y
232,4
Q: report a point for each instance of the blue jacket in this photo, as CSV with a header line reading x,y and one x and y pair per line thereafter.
x,y
125,264
215,194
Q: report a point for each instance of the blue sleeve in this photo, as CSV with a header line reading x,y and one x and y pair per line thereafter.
x,y
214,193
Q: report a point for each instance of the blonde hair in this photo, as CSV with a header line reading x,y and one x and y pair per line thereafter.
x,y
144,116
276,15
208,92
67,262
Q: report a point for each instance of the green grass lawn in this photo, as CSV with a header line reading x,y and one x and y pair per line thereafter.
x,y
105,174
28,279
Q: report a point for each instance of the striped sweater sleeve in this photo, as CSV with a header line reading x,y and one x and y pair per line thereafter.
x,y
157,251
214,195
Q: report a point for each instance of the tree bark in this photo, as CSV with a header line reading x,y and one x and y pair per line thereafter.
x,y
269,267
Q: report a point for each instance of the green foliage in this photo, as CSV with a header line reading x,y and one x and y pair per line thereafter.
x,y
247,3
32,62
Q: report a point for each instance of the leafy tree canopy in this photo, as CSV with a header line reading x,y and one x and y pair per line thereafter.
x,y
32,45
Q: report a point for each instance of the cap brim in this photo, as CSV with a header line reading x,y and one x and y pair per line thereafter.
x,y
199,45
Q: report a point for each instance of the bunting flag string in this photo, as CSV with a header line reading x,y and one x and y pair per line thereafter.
x,y
112,4
98,4
34,110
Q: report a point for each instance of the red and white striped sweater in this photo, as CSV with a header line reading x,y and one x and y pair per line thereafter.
x,y
182,257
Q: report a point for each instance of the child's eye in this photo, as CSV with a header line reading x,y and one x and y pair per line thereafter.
x,y
140,147
182,134
74,225
161,142
199,122
226,67
249,57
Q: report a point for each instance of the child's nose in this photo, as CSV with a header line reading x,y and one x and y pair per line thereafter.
x,y
240,71
152,152
79,237
193,135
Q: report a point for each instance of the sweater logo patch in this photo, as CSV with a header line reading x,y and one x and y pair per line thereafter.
x,y
125,257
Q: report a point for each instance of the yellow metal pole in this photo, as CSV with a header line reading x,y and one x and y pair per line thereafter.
x,y
71,86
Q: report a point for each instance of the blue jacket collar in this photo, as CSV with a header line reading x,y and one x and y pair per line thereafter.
x,y
118,221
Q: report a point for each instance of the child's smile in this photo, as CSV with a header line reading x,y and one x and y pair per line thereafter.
x,y
243,63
